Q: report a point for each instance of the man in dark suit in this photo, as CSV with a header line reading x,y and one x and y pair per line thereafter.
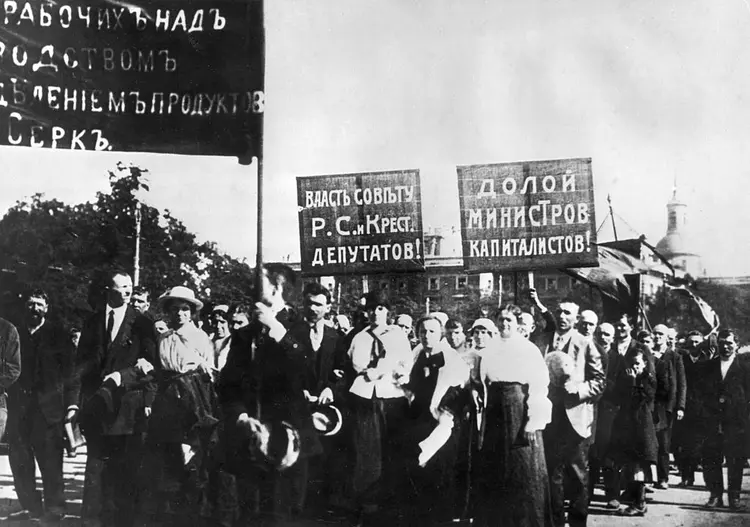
x,y
689,433
269,429
727,399
569,435
324,385
599,463
117,350
669,402
37,411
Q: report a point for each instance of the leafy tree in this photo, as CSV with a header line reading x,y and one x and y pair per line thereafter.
x,y
65,248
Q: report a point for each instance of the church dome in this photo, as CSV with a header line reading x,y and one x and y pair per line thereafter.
x,y
673,244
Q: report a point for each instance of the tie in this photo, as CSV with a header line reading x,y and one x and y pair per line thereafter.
x,y
378,349
110,327
315,337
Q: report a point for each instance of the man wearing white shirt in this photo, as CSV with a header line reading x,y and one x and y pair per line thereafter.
x,y
569,435
728,430
117,350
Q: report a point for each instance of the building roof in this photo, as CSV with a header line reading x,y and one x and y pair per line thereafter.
x,y
674,244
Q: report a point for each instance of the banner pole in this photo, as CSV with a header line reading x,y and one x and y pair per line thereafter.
x,y
259,282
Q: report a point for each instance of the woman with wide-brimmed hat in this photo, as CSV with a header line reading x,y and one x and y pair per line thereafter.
x,y
184,346
184,415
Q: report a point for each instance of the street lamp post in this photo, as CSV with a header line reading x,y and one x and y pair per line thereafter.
x,y
137,257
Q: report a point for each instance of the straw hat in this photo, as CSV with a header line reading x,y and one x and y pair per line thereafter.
x,y
560,367
327,420
180,293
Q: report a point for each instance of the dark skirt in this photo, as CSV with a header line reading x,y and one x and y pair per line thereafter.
x,y
429,492
510,474
376,437
184,411
634,438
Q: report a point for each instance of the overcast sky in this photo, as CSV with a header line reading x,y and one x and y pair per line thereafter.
x,y
648,90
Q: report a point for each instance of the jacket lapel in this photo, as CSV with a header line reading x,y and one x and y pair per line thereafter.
x,y
125,327
327,348
733,370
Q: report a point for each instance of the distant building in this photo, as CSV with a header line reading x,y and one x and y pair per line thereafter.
x,y
675,246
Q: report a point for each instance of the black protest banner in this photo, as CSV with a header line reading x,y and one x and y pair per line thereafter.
x,y
532,215
169,76
360,223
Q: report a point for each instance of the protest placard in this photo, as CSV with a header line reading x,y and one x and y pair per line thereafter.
x,y
528,215
360,223
152,76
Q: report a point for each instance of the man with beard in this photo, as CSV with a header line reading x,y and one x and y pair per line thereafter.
x,y
570,433
727,398
116,352
269,428
37,411
670,398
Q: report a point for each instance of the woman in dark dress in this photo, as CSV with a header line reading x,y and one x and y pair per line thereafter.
x,y
511,483
634,447
437,385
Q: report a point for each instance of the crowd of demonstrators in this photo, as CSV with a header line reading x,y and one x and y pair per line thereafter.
x,y
274,412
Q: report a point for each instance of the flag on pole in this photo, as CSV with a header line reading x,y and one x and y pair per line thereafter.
x,y
707,312
609,276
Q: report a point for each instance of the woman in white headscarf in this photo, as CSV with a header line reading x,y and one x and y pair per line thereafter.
x,y
511,483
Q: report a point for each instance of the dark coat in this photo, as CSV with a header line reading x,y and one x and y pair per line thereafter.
x,y
614,363
727,405
635,440
10,356
47,361
268,377
135,339
693,429
320,364
666,391
670,388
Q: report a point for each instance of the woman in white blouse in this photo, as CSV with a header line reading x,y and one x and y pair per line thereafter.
x,y
184,414
382,358
511,477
